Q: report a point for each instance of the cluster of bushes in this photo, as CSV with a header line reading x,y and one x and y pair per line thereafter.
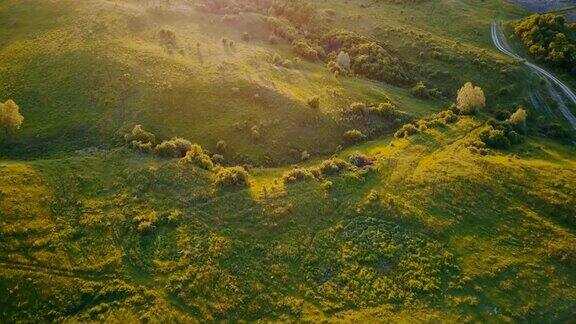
x,y
386,110
327,168
500,134
189,155
421,91
277,60
354,136
367,58
307,51
437,120
341,65
549,39
231,177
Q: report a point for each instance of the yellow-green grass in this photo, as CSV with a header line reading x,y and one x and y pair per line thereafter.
x,y
450,235
99,68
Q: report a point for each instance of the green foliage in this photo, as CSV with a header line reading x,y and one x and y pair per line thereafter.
x,y
140,139
297,175
195,156
406,130
10,117
332,167
421,91
306,51
231,177
174,148
368,58
360,160
549,39
354,136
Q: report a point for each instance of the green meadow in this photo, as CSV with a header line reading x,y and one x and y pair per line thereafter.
x,y
318,192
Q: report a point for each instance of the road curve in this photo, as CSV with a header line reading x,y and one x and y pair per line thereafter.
x,y
502,46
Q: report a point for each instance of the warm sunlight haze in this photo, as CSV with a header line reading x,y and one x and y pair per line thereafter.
x,y
299,161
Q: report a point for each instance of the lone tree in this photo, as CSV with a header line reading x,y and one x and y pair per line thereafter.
x,y
10,117
470,99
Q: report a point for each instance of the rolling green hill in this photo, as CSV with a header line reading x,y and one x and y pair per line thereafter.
x,y
449,218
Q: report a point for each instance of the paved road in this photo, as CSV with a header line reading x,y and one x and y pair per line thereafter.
x,y
500,43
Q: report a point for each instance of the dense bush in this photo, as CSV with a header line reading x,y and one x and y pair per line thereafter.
x,y
297,175
306,51
360,160
196,157
406,131
174,148
354,136
231,177
358,109
221,146
518,120
368,58
139,134
421,91
495,138
549,39
333,167
10,118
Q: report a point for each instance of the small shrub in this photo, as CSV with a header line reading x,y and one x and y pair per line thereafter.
x,y
218,158
174,148
420,91
406,131
333,167
358,109
305,51
354,136
196,157
139,134
231,177
495,138
518,120
221,146
297,175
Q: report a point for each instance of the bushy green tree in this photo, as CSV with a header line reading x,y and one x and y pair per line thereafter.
x,y
10,117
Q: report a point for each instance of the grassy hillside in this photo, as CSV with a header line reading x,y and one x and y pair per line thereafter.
x,y
98,67
430,232
426,222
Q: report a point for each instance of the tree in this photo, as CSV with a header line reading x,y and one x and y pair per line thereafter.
x,y
10,118
518,119
470,99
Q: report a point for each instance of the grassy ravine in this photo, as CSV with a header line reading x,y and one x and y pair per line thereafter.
x,y
430,233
